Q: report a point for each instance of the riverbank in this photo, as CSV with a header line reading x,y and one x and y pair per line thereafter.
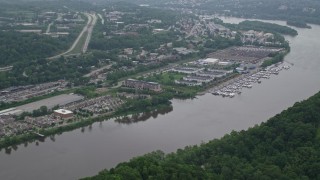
x,y
157,101
121,116
281,136
83,153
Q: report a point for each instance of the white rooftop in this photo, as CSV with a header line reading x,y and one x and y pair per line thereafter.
x,y
63,111
210,60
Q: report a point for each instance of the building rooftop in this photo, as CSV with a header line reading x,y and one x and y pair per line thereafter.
x,y
210,60
63,111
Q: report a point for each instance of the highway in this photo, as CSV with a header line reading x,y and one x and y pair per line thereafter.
x,y
191,33
102,19
97,71
48,28
87,29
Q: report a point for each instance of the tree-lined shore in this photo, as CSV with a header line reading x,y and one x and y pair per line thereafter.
x,y
285,147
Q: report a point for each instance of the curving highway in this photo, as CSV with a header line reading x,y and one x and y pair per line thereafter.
x,y
86,31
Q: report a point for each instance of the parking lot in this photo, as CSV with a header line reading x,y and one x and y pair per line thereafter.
x,y
50,103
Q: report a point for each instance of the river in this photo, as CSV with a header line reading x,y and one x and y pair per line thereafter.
x,y
82,153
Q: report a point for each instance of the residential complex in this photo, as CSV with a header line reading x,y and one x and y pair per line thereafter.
x,y
133,83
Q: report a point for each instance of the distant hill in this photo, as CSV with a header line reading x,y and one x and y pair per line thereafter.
x,y
298,10
287,147
303,11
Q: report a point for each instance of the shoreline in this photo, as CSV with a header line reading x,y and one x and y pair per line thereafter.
x,y
8,142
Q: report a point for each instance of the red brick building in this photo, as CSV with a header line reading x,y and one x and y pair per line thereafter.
x,y
63,113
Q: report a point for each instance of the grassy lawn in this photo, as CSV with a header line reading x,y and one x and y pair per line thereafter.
x,y
168,84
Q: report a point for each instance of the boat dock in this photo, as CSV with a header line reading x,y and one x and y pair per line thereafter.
x,y
235,86
40,135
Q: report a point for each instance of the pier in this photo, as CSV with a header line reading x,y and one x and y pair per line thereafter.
x,y
233,87
40,135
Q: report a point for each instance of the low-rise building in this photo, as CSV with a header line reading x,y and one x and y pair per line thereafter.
x,y
133,83
212,74
241,70
97,105
63,113
186,70
224,63
184,51
42,121
128,51
188,83
209,61
200,79
6,119
37,31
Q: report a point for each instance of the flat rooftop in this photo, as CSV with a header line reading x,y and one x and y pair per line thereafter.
x,y
63,111
60,100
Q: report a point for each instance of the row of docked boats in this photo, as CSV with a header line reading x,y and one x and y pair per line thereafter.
x,y
235,86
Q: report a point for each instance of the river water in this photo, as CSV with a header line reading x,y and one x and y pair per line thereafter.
x,y
82,153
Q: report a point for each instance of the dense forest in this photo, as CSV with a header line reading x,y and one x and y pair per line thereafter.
x,y
143,36
42,70
146,40
20,47
259,26
266,27
300,24
287,146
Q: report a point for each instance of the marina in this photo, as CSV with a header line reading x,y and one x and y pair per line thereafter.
x,y
235,86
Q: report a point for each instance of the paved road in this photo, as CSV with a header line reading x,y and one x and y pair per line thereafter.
x,y
98,70
102,20
85,29
191,33
60,100
8,68
89,30
49,27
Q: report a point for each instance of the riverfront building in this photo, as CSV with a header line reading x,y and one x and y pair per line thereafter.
x,y
188,83
186,70
199,79
133,83
63,113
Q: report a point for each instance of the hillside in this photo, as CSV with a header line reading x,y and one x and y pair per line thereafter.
x,y
287,146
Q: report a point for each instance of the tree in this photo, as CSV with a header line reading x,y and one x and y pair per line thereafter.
x,y
44,110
